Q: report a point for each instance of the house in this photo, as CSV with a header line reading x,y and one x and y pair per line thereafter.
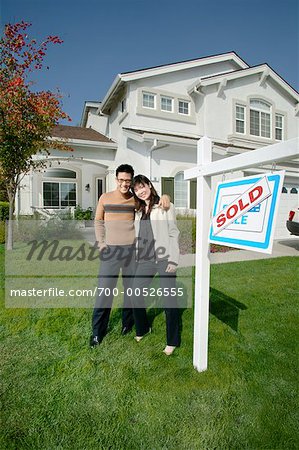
x,y
152,119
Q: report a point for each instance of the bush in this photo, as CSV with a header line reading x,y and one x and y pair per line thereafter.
x,y
4,211
83,214
2,232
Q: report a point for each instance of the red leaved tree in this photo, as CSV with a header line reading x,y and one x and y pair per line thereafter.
x,y
26,117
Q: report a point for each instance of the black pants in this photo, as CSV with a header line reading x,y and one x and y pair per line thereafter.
x,y
144,275
114,258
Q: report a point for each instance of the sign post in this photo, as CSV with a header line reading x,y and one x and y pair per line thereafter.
x,y
202,260
232,210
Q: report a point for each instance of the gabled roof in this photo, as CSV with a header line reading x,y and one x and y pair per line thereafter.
x,y
79,133
124,77
264,69
187,64
88,105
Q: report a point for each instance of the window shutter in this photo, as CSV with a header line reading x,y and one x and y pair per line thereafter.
x,y
193,186
168,187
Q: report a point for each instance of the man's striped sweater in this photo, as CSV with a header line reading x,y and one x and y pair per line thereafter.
x,y
114,219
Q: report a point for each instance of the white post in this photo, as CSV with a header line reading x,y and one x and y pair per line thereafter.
x,y
202,259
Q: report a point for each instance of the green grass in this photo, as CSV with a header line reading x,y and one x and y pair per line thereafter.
x,y
58,394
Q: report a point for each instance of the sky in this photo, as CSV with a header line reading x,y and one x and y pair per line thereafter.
x,y
105,37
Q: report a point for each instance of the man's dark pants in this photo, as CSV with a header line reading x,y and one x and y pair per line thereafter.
x,y
113,259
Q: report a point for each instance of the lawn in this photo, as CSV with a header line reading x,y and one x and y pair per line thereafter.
x,y
58,394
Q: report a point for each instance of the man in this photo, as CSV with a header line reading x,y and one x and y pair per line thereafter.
x,y
115,234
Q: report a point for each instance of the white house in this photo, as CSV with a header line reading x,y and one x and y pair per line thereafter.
x,y
152,119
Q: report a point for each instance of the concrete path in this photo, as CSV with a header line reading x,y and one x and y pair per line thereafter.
x,y
281,247
285,247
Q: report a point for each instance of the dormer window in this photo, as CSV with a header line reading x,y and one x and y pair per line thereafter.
x,y
184,107
148,100
166,103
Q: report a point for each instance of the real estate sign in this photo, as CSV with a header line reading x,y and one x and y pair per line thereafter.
x,y
245,210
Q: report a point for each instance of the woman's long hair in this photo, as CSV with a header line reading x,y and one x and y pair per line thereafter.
x,y
154,198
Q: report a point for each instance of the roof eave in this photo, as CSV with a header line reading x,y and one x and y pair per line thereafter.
x,y
114,88
263,69
84,142
121,78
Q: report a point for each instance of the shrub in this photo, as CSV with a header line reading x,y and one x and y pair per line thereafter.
x,y
4,211
83,214
2,232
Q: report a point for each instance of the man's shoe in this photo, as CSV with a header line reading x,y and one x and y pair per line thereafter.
x,y
126,330
94,341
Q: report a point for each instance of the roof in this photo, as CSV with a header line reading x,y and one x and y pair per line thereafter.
x,y
260,68
233,55
124,77
142,132
85,134
242,69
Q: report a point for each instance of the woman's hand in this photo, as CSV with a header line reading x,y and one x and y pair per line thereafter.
x,y
171,268
164,202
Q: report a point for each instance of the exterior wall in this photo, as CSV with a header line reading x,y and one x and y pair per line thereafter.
x,y
175,84
98,123
219,112
94,165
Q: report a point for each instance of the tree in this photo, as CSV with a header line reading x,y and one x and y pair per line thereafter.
x,y
26,117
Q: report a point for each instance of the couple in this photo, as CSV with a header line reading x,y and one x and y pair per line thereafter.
x,y
141,248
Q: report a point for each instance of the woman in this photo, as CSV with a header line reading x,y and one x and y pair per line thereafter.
x,y
157,252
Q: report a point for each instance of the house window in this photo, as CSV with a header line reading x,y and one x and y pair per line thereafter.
x,y
59,194
183,107
180,191
240,119
166,103
59,173
260,118
278,127
148,100
123,105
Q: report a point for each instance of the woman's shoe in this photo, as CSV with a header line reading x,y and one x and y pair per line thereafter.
x,y
138,338
169,349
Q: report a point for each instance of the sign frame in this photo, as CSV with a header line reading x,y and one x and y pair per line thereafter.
x,y
252,243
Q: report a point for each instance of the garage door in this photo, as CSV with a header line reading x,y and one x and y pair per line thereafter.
x,y
288,200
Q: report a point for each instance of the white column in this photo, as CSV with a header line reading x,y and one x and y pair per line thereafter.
x,y
202,259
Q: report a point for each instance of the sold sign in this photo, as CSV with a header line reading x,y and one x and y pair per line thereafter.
x,y
250,198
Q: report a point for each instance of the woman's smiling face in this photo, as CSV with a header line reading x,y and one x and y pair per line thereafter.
x,y
143,191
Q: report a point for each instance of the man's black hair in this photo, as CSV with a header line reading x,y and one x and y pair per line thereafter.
x,y
125,168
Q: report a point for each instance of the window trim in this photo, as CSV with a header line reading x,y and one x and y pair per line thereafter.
x,y
240,105
278,114
260,112
187,103
159,113
166,97
149,94
187,190
60,182
56,179
236,137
